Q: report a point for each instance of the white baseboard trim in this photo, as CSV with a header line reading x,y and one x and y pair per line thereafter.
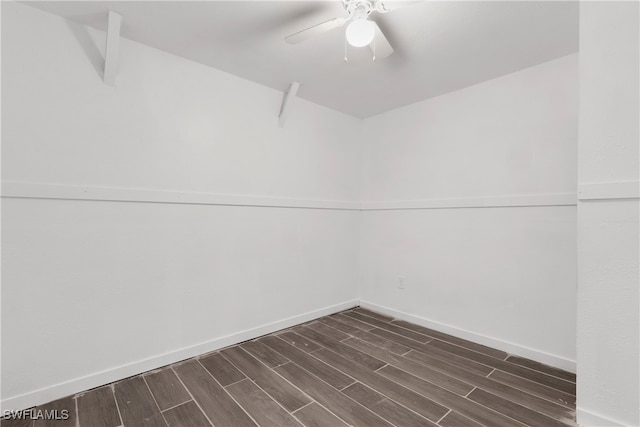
x,y
589,419
77,385
509,347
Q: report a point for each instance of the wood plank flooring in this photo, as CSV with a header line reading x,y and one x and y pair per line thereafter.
x,y
356,368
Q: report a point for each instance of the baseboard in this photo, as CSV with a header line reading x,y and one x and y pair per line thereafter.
x,y
47,394
589,419
509,347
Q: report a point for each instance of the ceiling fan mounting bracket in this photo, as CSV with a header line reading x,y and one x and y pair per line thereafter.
x,y
359,9
364,7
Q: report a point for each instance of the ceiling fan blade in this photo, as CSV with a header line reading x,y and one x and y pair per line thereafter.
x,y
390,5
303,35
380,46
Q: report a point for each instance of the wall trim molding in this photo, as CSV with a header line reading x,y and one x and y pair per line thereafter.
x,y
517,200
509,347
27,190
77,385
590,419
619,190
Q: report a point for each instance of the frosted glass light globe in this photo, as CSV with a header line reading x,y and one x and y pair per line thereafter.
x,y
360,32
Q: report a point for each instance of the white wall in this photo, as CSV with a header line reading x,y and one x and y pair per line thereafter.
x,y
247,227
504,276
93,290
608,209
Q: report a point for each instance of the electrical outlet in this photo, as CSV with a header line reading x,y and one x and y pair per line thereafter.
x,y
400,282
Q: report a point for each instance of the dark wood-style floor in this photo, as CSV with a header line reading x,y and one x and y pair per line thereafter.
x,y
353,368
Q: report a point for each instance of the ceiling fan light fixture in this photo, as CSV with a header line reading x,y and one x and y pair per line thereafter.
x,y
360,32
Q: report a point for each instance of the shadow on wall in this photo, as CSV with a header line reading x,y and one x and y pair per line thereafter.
x,y
89,45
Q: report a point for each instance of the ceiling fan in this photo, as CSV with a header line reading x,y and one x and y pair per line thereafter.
x,y
361,31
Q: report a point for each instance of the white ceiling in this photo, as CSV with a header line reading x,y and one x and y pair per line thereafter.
x,y
440,46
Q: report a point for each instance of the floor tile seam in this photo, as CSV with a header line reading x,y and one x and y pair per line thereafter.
x,y
443,417
390,331
75,404
228,393
456,344
516,403
552,389
154,399
503,414
537,370
380,391
448,406
438,357
190,394
275,372
508,364
175,406
422,378
112,386
479,386
340,391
